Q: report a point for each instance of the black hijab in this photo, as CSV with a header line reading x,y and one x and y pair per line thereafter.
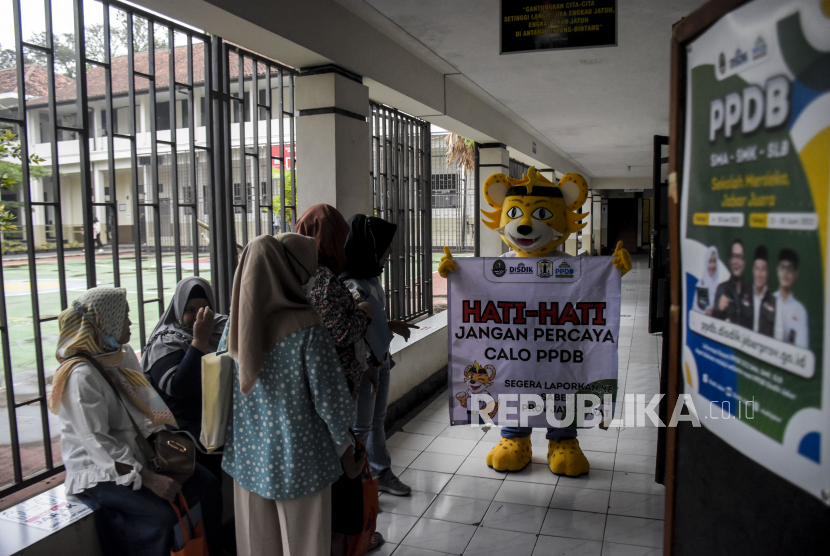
x,y
368,240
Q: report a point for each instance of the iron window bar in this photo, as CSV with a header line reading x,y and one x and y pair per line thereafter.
x,y
249,204
83,136
210,161
401,194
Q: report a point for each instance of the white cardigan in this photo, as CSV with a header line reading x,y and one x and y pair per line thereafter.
x,y
96,431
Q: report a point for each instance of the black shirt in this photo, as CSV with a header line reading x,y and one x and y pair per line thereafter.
x,y
739,310
177,377
766,315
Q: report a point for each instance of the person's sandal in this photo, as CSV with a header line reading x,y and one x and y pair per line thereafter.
x,y
377,540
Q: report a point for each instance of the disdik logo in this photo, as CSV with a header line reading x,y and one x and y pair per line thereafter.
x,y
521,268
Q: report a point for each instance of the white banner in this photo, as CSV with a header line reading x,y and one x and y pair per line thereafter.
x,y
524,327
798,361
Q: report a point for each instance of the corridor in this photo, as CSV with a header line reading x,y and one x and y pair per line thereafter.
x,y
460,506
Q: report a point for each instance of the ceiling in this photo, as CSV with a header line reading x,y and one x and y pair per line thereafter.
x,y
600,106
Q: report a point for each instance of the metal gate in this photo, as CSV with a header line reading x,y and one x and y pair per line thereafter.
x,y
400,181
453,201
517,169
143,133
254,132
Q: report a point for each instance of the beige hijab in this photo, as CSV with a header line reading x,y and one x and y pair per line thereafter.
x,y
268,301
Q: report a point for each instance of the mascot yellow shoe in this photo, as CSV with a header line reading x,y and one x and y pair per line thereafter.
x,y
535,216
511,454
565,457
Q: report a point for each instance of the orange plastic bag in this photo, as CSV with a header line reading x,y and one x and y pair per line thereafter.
x,y
194,537
357,545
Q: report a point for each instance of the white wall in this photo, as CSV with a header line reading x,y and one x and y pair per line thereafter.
x,y
421,357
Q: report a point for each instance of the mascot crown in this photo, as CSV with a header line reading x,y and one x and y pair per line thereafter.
x,y
572,188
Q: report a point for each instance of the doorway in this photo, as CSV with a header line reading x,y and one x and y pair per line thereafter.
x,y
622,224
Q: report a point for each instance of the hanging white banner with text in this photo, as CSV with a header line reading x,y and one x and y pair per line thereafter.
x,y
524,327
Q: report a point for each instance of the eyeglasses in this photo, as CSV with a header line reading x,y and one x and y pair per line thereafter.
x,y
736,256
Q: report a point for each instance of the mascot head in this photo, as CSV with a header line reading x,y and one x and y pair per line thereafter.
x,y
533,215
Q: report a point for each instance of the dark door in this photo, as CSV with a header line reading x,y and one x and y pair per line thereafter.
x,y
622,223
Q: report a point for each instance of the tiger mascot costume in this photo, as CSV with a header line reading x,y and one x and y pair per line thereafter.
x,y
534,217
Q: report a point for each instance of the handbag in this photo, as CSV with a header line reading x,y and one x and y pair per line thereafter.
x,y
217,397
358,544
193,534
167,453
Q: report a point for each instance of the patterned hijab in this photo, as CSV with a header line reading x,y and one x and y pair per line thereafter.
x,y
93,325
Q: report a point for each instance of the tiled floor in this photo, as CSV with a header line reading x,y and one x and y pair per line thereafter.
x,y
460,506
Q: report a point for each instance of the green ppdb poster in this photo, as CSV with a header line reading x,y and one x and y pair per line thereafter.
x,y
754,231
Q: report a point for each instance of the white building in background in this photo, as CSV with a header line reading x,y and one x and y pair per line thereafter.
x,y
40,132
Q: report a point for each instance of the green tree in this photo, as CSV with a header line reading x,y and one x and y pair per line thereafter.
x,y
11,173
95,45
141,35
275,202
64,54
7,58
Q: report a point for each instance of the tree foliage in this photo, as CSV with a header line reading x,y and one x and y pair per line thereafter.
x,y
461,151
275,202
11,173
95,40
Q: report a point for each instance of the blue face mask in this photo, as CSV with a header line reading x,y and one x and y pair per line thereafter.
x,y
111,342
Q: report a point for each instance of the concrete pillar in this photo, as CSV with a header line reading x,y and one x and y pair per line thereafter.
x,y
548,173
142,119
333,140
38,230
493,159
100,180
38,213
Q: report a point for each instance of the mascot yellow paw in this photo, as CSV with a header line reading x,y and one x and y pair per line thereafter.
x,y
510,454
447,263
565,457
621,259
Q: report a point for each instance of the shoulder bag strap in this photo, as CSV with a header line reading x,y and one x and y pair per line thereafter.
x,y
143,444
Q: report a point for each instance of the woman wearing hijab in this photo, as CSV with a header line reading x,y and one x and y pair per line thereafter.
x,y
104,465
368,247
708,285
345,320
291,404
172,360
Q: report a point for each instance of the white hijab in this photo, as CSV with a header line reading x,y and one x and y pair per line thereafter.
x,y
708,281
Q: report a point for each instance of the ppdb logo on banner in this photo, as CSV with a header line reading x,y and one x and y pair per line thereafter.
x,y
533,335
